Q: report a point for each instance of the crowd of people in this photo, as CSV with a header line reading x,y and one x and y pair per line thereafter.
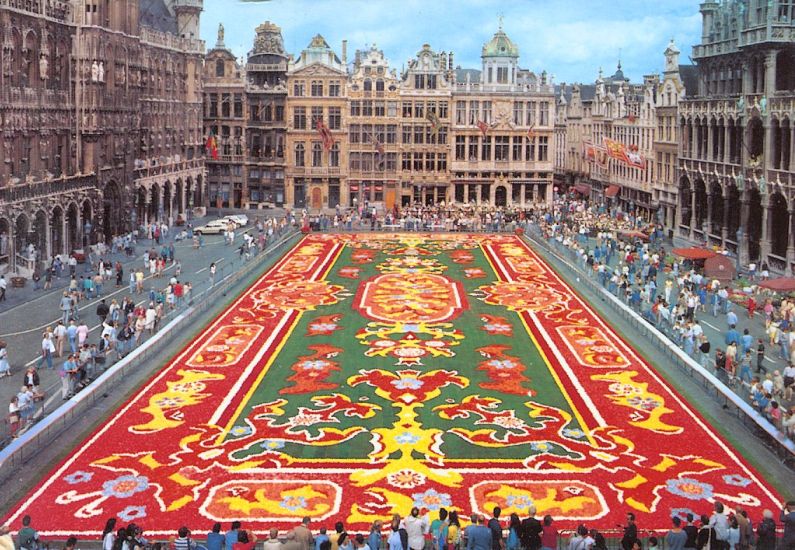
x,y
721,529
678,299
123,323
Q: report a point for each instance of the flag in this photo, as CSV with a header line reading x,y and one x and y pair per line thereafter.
x,y
433,118
212,146
531,132
483,127
325,134
632,119
379,149
622,153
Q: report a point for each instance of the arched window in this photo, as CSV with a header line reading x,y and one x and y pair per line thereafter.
x,y
379,85
317,154
368,85
299,154
219,67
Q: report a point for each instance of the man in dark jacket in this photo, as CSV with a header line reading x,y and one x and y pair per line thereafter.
x,y
630,533
496,530
531,530
102,310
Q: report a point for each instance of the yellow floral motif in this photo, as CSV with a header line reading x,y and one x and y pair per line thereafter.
x,y
650,406
299,502
175,397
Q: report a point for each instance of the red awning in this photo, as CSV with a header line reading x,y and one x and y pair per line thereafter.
x,y
582,189
782,284
694,253
612,191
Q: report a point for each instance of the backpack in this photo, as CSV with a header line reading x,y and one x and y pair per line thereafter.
x,y
404,538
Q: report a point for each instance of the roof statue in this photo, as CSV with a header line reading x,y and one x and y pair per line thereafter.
x,y
220,41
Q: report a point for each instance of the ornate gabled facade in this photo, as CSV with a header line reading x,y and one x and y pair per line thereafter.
x,y
502,131
316,129
245,112
373,131
425,93
612,141
101,122
670,91
736,156
365,134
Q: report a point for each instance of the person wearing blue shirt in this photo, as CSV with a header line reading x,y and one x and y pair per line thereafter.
x,y
215,540
321,538
746,341
231,535
732,336
479,536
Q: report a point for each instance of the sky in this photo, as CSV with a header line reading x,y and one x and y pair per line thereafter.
x,y
570,39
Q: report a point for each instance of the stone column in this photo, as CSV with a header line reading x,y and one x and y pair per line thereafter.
x,y
711,137
742,245
791,166
707,227
767,219
770,72
466,193
769,148
692,212
747,79
724,234
479,194
791,238
521,196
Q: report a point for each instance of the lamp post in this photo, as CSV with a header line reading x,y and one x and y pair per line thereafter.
x,y
740,235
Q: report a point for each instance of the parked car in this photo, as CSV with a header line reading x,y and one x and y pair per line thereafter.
x,y
214,227
240,220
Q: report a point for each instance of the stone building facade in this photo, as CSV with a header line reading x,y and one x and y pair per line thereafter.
x,y
503,123
737,147
389,138
316,127
101,110
244,110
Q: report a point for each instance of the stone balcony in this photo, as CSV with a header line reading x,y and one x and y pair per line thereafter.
x,y
171,41
58,10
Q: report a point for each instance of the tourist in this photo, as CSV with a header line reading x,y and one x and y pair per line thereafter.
x,y
5,368
215,540
692,533
109,534
766,532
231,535
497,543
13,416
340,539
630,532
549,534
374,538
27,538
787,518
453,532
303,535
531,531
720,523
245,540
480,537
395,540
183,540
416,526
438,531
514,542
321,539
273,542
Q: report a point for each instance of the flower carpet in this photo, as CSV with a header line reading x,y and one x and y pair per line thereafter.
x,y
366,374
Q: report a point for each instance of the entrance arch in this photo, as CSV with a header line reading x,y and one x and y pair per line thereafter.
x,y
716,194
168,199
154,208
754,224
21,235
701,204
112,224
500,196
779,218
88,223
40,233
56,232
6,244
685,200
72,228
179,194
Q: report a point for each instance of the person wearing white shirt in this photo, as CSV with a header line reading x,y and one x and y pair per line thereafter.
x,y
416,527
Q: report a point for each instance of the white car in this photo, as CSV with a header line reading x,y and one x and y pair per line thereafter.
x,y
240,220
214,227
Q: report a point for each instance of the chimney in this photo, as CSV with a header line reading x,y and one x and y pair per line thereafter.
x,y
345,53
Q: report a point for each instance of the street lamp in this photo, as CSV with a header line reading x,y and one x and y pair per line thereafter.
x,y
740,235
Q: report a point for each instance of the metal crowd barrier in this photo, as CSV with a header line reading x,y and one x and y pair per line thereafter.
x,y
41,434
775,439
